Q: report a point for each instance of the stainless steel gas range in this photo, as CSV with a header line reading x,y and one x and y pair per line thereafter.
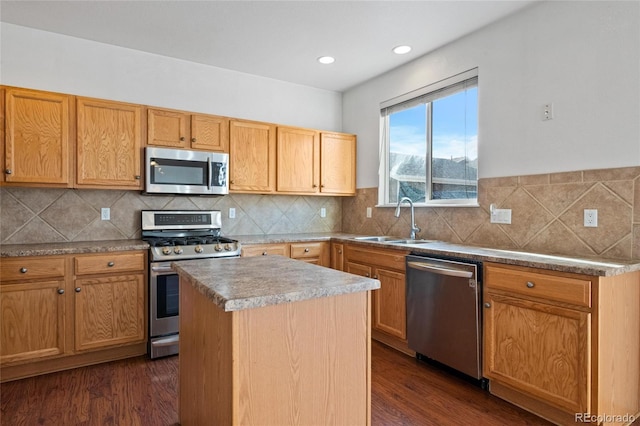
x,y
177,235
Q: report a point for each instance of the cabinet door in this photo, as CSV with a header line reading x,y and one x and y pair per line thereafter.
x,y
298,160
167,128
539,349
109,144
337,256
389,303
358,269
32,321
37,142
210,133
109,311
252,161
337,164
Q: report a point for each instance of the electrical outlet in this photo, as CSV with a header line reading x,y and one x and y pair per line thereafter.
x,y
369,212
232,213
105,213
591,218
323,212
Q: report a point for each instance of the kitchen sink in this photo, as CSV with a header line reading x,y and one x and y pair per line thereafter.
x,y
412,241
383,238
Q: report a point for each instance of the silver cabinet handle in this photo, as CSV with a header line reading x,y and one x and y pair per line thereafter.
x,y
306,250
264,253
367,275
8,171
110,264
375,277
193,139
487,305
23,270
60,291
182,138
530,284
78,289
137,177
339,251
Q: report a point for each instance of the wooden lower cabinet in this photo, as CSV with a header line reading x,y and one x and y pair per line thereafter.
x,y
389,314
554,343
60,312
337,256
316,252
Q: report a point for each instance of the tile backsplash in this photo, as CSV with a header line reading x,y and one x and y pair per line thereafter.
x,y
547,214
37,215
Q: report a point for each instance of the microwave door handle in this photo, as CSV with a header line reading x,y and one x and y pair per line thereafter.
x,y
210,175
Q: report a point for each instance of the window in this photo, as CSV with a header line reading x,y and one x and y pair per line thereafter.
x,y
429,144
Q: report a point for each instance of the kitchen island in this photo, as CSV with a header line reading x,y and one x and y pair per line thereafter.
x,y
273,341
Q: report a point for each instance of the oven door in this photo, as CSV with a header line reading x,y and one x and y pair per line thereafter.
x,y
164,300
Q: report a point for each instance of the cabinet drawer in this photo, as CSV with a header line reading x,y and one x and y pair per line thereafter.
x,y
392,259
27,268
108,263
302,250
266,249
560,288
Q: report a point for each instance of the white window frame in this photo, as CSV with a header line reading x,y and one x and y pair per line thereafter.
x,y
425,94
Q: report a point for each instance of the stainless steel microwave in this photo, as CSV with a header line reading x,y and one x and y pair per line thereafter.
x,y
181,171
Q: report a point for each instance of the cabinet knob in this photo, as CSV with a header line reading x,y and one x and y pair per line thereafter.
x,y
193,139
339,251
182,138
8,171
375,277
78,289
110,264
60,291
306,250
264,253
367,275
23,270
137,177
530,284
487,305
315,186
231,182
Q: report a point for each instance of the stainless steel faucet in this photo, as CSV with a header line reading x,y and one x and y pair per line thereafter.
x,y
414,227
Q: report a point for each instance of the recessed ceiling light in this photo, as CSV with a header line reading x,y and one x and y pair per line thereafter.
x,y
326,59
401,50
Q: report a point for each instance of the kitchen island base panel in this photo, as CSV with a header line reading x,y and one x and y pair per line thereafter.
x,y
306,362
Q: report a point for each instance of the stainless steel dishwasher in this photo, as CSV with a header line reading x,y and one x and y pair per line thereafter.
x,y
444,312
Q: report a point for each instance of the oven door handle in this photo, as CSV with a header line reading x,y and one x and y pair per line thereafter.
x,y
167,341
161,268
210,170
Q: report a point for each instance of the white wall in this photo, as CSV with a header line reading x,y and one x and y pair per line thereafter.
x,y
582,56
54,62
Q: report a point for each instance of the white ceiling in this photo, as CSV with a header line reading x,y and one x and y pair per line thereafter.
x,y
275,39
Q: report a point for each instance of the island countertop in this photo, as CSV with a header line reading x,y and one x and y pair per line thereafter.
x,y
252,282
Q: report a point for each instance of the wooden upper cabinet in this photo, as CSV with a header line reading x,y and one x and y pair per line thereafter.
x,y
109,144
179,129
252,156
209,133
337,164
167,128
38,138
298,160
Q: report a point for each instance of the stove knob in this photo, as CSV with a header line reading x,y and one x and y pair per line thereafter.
x,y
227,247
198,249
218,247
166,250
178,250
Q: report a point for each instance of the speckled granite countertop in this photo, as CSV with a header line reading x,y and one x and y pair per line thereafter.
x,y
79,247
597,266
251,282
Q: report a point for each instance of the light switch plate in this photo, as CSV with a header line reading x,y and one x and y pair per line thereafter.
x,y
369,212
232,213
501,216
323,212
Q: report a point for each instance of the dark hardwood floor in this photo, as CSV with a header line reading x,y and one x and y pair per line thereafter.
x,y
143,392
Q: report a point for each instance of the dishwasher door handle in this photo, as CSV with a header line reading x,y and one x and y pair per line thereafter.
x,y
440,270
